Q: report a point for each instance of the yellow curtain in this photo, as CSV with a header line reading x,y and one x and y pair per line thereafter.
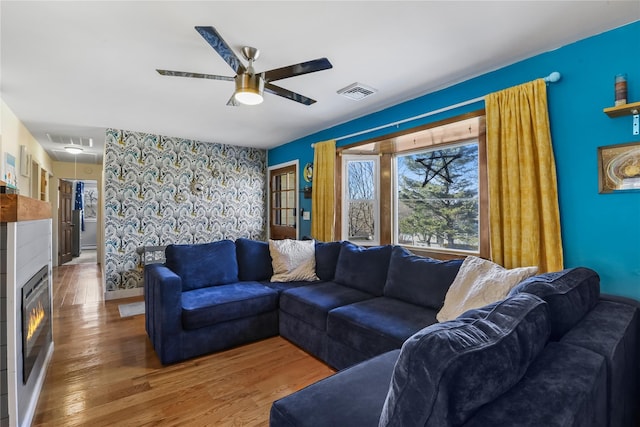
x,y
523,196
323,195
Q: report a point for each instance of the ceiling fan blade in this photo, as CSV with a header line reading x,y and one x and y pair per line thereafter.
x,y
297,69
194,75
219,45
286,93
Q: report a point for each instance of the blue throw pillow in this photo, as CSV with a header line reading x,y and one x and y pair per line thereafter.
x,y
362,268
570,293
447,371
204,264
254,260
326,259
419,280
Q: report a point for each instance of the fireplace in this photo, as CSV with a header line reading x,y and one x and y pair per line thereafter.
x,y
36,319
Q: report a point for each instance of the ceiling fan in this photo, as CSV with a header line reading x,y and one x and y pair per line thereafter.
x,y
249,84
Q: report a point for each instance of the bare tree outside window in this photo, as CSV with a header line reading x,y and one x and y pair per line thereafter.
x,y
438,203
361,199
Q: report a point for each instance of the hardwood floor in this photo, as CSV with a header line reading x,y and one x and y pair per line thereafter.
x,y
104,371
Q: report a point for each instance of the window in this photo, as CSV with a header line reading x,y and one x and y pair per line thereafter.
x,y
424,188
360,213
438,198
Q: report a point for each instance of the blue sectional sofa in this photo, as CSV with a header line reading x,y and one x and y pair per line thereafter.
x,y
554,352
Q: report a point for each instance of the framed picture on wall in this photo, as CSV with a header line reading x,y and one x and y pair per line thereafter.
x,y
10,176
619,167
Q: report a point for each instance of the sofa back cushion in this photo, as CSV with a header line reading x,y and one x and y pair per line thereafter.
x,y
419,280
326,259
570,293
254,261
203,264
362,268
445,372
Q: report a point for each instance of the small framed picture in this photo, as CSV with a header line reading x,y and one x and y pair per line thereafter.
x,y
619,167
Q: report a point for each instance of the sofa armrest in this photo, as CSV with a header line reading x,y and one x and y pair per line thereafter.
x,y
620,299
163,304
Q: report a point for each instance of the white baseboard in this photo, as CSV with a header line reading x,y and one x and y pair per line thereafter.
x,y
123,293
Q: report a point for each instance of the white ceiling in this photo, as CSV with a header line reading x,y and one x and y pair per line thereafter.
x,y
72,69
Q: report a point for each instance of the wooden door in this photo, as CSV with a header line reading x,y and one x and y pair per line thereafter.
x,y
65,223
283,197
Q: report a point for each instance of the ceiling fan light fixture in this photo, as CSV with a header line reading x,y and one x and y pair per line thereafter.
x,y
249,88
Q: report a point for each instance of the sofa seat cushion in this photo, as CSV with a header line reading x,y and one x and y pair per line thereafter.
x,y
377,325
448,370
203,264
611,329
570,293
254,260
362,268
419,280
312,303
283,286
353,397
566,386
208,306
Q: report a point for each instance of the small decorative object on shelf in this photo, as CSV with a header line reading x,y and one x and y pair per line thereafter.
x,y
620,89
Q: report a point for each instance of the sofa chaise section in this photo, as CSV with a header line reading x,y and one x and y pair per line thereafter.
x,y
578,369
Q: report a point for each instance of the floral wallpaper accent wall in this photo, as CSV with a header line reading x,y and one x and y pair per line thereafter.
x,y
161,190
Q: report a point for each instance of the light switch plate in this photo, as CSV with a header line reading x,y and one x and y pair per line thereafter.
x,y
306,215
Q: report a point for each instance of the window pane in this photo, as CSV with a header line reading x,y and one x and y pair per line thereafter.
x,y
360,199
438,201
291,199
290,182
361,221
361,180
291,218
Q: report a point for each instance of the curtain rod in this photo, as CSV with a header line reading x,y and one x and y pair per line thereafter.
x,y
551,78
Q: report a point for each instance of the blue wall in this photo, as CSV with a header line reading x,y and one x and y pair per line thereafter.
x,y
600,231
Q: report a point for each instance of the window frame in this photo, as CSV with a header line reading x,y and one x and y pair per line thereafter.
x,y
385,148
344,232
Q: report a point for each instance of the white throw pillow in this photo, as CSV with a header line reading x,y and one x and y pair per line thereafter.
x,y
293,260
480,282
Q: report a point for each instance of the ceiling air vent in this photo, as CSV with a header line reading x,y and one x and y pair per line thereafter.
x,y
357,91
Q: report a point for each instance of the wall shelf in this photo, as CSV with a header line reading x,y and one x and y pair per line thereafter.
x,y
623,110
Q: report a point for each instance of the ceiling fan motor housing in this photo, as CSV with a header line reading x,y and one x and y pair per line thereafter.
x,y
249,83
